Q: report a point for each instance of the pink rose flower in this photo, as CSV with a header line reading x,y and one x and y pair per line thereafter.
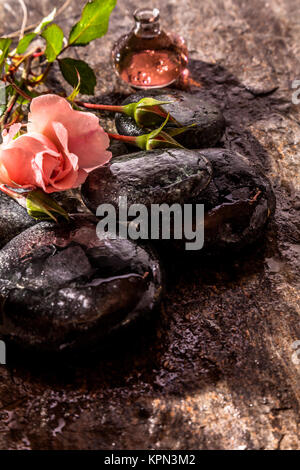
x,y
61,147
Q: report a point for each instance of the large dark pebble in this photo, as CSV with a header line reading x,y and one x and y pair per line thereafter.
x,y
13,219
153,177
186,109
62,287
238,202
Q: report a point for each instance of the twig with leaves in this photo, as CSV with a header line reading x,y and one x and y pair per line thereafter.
x,y
16,60
61,145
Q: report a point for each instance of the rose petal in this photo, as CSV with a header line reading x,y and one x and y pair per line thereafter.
x,y
33,142
81,177
65,183
45,165
18,155
7,136
86,138
62,137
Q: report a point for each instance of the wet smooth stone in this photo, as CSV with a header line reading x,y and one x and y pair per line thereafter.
x,y
153,177
62,287
238,202
186,109
13,219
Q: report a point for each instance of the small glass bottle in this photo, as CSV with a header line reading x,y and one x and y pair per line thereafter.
x,y
148,57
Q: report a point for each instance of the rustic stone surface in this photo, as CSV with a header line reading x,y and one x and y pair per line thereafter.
x,y
216,369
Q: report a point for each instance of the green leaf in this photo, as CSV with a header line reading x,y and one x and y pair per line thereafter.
x,y
28,38
4,48
24,42
48,19
93,22
54,38
41,206
2,109
69,68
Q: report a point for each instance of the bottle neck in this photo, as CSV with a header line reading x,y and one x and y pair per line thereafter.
x,y
146,23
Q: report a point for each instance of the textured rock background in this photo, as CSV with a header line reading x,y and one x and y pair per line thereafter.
x,y
215,369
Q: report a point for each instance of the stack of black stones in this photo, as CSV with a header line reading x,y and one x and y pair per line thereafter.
x,y
64,288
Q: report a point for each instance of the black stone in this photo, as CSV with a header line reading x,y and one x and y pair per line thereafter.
x,y
63,288
238,202
238,199
153,177
186,109
13,219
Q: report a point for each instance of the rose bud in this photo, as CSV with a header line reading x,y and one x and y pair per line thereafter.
x,y
147,112
155,139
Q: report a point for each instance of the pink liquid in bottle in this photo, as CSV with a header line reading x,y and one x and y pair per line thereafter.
x,y
148,57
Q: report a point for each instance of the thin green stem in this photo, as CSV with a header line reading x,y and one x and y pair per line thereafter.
x,y
17,91
20,91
